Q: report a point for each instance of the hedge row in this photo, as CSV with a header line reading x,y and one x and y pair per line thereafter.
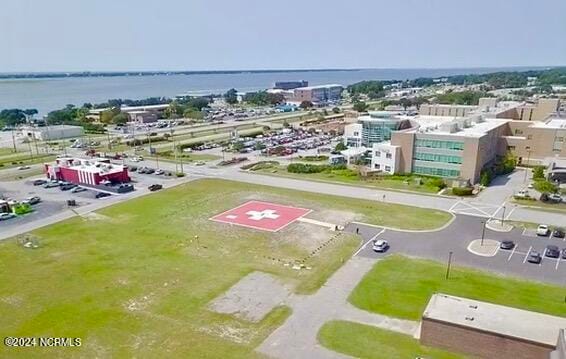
x,y
309,168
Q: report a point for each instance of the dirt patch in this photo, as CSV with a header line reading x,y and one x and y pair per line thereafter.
x,y
306,235
252,298
93,216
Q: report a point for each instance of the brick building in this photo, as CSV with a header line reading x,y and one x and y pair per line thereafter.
x,y
87,171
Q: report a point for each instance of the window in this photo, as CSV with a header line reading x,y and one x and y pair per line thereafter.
x,y
388,155
518,132
431,171
356,134
510,148
434,157
387,168
377,166
377,154
529,137
449,145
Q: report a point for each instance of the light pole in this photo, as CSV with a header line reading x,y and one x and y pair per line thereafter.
x,y
503,216
449,264
483,232
526,169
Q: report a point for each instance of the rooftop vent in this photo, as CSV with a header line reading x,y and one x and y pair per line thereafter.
x,y
471,319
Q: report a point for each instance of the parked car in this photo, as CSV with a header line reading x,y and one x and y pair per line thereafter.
x,y
24,167
149,170
102,194
564,253
555,198
67,186
199,163
523,194
51,184
39,182
507,245
4,216
155,187
552,251
32,200
543,230
78,189
159,172
534,257
558,233
380,245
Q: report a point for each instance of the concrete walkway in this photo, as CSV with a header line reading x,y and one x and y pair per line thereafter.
x,y
297,337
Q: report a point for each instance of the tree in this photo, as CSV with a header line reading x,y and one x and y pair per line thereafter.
x,y
107,116
231,96
360,106
120,119
306,105
538,172
340,147
405,102
12,117
336,110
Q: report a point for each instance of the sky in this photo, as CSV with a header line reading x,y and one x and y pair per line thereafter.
x,y
120,35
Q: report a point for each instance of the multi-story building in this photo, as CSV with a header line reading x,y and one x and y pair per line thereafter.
x,y
459,147
290,85
317,94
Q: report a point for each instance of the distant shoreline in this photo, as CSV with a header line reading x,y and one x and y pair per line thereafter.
x,y
79,74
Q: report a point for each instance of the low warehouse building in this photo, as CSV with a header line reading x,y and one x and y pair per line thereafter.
x,y
87,172
488,330
52,133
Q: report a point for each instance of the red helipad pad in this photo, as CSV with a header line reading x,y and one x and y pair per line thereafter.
x,y
261,215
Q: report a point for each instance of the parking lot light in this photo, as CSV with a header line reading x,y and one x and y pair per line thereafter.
x,y
483,232
449,264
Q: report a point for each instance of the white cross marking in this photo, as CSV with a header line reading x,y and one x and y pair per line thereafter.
x,y
266,213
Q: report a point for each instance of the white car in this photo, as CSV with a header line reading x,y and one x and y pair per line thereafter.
x,y
4,216
543,230
78,189
523,194
159,172
24,168
137,159
380,245
199,163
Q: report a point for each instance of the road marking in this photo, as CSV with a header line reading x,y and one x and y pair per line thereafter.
x,y
526,255
454,205
510,212
368,241
557,263
511,255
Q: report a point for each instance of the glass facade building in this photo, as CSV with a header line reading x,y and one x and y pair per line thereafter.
x,y
377,130
442,158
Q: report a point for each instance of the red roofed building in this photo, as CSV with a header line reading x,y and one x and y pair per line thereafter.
x,y
86,171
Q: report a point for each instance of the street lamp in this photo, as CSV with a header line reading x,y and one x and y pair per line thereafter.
x,y
503,216
449,264
483,232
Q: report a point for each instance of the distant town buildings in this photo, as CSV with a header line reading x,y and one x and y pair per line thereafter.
x,y
290,85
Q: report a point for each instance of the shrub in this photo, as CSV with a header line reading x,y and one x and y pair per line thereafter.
x,y
538,172
462,191
180,174
436,182
545,186
486,177
310,168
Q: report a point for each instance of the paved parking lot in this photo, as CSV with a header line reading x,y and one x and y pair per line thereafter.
x,y
456,238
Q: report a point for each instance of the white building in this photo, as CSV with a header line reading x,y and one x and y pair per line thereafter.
x,y
385,157
353,135
51,133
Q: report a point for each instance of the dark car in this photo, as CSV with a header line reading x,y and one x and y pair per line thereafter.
x,y
534,257
39,182
102,195
552,251
155,187
149,170
558,233
507,245
564,253
67,187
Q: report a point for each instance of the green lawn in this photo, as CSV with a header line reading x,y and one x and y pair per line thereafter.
x,y
401,287
350,177
133,281
367,342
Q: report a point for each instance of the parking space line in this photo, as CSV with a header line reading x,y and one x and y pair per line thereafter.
x,y
511,255
510,213
526,255
557,263
454,205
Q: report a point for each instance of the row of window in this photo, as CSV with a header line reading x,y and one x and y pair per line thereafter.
x,y
434,157
449,145
430,171
378,167
387,154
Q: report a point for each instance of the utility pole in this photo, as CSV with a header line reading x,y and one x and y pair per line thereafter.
x,y
503,216
483,232
14,141
449,264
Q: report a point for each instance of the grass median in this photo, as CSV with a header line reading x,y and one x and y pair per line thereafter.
x,y
363,341
401,287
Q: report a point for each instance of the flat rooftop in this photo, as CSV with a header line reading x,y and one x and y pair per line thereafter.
x,y
554,123
318,87
498,319
438,125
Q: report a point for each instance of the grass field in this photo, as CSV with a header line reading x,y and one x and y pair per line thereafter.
x,y
133,280
21,159
363,341
347,176
401,287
